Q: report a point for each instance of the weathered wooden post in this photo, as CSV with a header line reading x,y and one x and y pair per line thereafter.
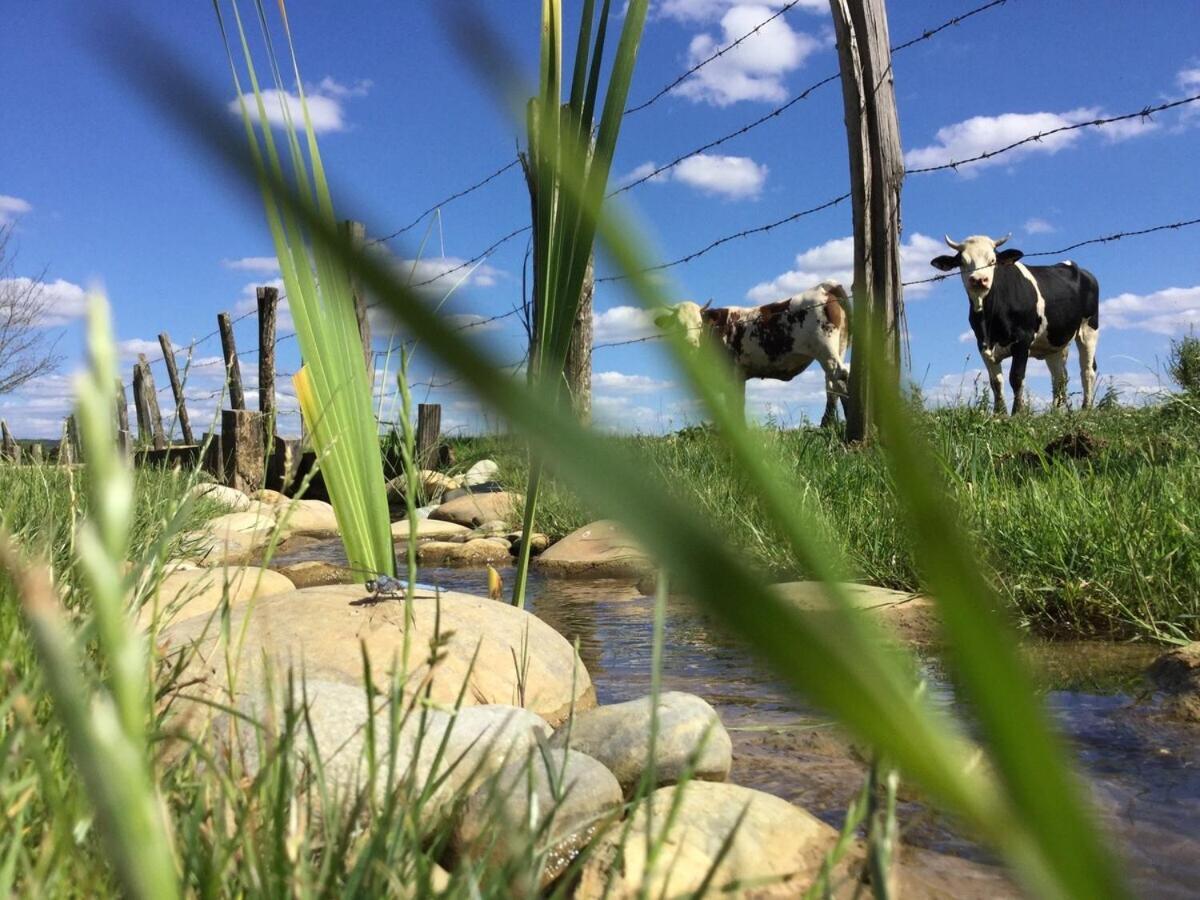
x,y
9,448
185,427
268,304
876,176
578,367
244,463
35,453
357,233
233,372
145,401
123,442
429,429
66,444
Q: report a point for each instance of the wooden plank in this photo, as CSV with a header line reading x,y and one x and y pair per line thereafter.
x,y
268,304
429,428
157,436
168,349
876,177
357,233
233,372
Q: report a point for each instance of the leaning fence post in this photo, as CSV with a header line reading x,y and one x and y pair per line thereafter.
x,y
237,399
268,305
429,429
357,233
185,427
150,427
66,445
9,448
122,419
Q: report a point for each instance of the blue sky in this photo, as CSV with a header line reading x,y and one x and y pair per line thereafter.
x,y
103,188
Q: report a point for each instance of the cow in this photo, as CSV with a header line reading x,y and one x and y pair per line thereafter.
x,y
779,340
1020,311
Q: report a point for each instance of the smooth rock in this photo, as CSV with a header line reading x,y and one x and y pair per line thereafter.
x,y
482,472
521,660
183,593
689,733
475,509
430,484
475,552
478,741
538,542
315,572
778,846
491,529
599,550
230,538
430,530
1177,674
228,497
545,797
910,617
308,517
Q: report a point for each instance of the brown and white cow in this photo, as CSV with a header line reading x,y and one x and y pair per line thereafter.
x,y
778,340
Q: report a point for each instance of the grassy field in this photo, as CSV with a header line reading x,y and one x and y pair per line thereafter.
x,y
1087,522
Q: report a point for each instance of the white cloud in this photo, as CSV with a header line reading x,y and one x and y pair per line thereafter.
x,y
11,207
324,101
1188,78
735,177
264,264
63,300
445,272
732,177
621,383
983,134
753,70
1038,226
967,337
711,10
835,259
132,347
1170,311
622,323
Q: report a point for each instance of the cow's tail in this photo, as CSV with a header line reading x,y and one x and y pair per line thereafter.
x,y
841,300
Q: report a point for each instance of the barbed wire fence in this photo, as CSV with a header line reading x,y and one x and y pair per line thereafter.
x,y
1144,113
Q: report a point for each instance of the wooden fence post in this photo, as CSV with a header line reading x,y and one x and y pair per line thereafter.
x,y
577,370
244,460
35,453
145,400
429,429
233,372
9,448
123,442
268,305
185,427
357,233
876,176
66,445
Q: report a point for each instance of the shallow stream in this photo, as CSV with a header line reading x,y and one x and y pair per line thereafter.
x,y
1144,770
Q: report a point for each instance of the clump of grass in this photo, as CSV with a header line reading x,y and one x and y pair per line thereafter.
x,y
1183,364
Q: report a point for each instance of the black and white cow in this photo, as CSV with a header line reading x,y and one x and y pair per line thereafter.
x,y
779,340
1020,311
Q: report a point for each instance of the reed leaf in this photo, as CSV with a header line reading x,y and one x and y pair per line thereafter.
x,y
336,384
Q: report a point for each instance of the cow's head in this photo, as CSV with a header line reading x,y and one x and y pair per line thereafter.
x,y
686,317
976,260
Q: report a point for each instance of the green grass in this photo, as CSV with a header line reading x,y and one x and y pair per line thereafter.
x,y
1105,546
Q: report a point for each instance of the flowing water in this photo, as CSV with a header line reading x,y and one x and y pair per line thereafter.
x,y
1144,771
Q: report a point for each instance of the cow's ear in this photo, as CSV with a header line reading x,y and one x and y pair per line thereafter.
x,y
663,320
945,263
1008,257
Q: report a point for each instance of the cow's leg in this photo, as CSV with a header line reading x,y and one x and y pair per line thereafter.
x,y
1056,362
837,382
829,418
1016,376
1086,341
737,395
996,380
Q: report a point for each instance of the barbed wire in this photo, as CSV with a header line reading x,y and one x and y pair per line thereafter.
x,y
1145,112
925,35
626,343
455,196
746,232
717,55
